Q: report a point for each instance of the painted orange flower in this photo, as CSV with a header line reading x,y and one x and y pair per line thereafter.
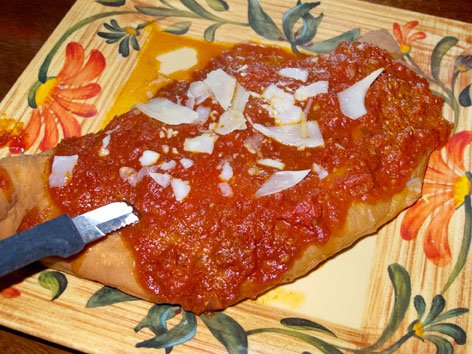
x,y
403,36
58,99
446,185
10,292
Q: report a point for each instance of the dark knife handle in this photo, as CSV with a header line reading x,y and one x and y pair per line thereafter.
x,y
57,237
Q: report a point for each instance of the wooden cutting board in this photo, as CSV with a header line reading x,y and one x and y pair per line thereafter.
x,y
384,293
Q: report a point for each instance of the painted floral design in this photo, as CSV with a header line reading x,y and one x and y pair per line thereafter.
x,y
404,36
444,190
59,98
10,292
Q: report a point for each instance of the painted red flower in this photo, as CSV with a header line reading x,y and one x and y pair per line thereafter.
x,y
10,292
58,99
403,36
445,187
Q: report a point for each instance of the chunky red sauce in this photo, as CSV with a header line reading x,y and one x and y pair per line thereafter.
x,y
201,249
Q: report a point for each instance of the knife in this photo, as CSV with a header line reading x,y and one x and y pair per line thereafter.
x,y
63,236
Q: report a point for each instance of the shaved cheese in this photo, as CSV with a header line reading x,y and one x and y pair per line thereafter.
x,y
311,90
129,174
230,121
320,171
168,165
149,158
61,170
180,188
225,189
226,172
290,134
222,86
167,111
162,179
104,149
294,73
186,163
254,143
352,100
271,163
144,171
199,90
203,114
203,143
281,180
281,107
241,96
176,60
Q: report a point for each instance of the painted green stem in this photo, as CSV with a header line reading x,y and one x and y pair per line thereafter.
x,y
466,239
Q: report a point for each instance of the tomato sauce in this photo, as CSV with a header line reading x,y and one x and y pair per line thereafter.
x,y
200,250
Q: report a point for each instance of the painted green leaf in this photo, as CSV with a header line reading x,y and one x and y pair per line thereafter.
x,y
450,329
450,314
157,317
310,24
420,305
261,23
114,3
442,345
111,35
218,5
108,296
181,333
209,34
164,12
302,324
179,27
113,26
332,43
402,289
227,331
465,97
123,48
443,46
54,281
196,8
134,43
437,306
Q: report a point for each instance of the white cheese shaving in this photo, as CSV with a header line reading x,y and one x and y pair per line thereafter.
x,y
176,60
129,174
281,105
186,163
168,165
226,172
222,87
61,170
180,188
290,134
230,121
149,158
203,143
352,99
294,73
280,181
199,90
162,179
225,189
167,111
304,92
271,163
104,148
320,171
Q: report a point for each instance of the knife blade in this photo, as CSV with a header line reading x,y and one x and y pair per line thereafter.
x,y
63,236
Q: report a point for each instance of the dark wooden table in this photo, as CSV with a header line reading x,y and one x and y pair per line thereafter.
x,y
26,24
